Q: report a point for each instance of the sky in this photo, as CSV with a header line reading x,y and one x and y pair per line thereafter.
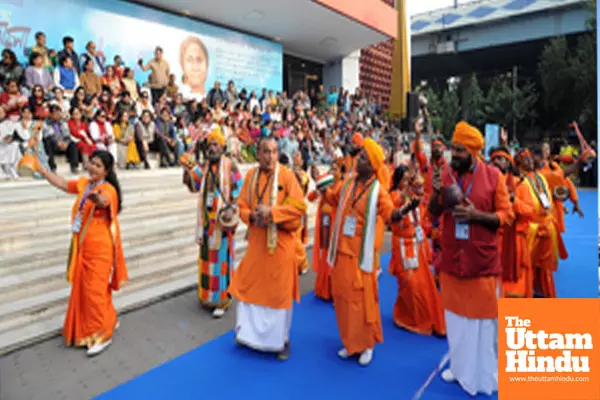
x,y
419,6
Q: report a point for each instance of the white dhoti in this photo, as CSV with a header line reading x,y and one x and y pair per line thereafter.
x,y
262,328
473,347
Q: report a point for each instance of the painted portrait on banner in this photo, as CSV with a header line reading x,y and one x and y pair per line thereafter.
x,y
201,52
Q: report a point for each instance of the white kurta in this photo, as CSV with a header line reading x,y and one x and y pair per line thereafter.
x,y
10,153
96,136
473,347
262,328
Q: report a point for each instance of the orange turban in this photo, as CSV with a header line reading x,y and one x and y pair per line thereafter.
x,y
377,159
470,137
216,136
357,139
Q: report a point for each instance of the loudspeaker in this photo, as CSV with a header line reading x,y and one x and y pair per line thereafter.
x,y
412,109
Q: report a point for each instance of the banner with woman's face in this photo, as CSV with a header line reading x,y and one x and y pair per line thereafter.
x,y
202,52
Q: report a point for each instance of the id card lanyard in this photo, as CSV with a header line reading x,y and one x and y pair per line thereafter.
x,y
459,181
79,217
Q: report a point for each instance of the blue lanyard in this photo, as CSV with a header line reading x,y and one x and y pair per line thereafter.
x,y
86,193
459,181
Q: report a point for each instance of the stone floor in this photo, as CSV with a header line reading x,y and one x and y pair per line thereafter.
x,y
147,337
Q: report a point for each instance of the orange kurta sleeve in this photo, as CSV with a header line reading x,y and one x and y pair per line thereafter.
x,y
332,195
385,205
293,207
243,206
523,205
572,190
502,203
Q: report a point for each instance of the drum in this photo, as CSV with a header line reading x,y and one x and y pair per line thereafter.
x,y
452,196
561,193
186,161
229,223
26,167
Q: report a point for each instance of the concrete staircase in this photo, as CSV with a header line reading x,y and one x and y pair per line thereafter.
x,y
157,228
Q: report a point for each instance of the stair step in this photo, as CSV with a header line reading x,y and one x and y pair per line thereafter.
x,y
47,325
157,227
19,234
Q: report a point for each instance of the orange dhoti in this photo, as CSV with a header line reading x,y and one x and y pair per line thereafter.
x,y
523,285
544,256
356,303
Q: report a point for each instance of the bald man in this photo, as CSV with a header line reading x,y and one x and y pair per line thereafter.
x,y
265,283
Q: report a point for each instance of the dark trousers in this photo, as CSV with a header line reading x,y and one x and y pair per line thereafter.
x,y
52,149
141,151
165,151
156,93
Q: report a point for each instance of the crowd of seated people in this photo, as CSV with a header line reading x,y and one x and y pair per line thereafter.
x,y
69,104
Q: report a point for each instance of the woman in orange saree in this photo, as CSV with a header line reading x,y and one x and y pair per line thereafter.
x,y
96,263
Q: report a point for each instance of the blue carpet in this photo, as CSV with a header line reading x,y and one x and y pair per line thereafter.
x,y
400,366
578,275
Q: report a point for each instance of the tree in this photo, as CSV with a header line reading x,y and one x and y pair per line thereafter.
x,y
569,78
506,104
558,82
450,112
474,109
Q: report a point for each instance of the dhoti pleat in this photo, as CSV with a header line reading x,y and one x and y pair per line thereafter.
x,y
262,328
473,352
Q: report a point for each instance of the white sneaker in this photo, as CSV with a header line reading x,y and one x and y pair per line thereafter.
x,y
379,272
343,353
218,312
98,348
117,325
447,376
365,357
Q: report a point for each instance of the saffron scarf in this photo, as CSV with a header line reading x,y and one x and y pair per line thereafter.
x,y
222,192
271,228
534,226
367,248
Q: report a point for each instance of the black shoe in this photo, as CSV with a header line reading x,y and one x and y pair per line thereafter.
x,y
284,354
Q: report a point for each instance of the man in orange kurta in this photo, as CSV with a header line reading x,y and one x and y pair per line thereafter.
x,y
517,274
356,143
561,188
472,202
359,200
265,283
323,225
304,181
547,243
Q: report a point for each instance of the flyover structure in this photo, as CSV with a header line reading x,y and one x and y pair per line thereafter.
x,y
490,36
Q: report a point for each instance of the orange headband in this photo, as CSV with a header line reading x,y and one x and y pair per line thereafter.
x,y
501,153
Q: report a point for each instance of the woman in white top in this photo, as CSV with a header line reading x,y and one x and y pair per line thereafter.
x,y
11,146
102,133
